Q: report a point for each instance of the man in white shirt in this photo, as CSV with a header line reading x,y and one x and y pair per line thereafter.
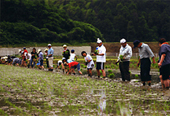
x,y
89,62
100,53
28,58
125,54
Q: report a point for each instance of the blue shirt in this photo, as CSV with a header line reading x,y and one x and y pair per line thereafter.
x,y
40,56
145,51
50,51
165,49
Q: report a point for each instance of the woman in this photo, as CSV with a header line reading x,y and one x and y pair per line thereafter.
x,y
33,57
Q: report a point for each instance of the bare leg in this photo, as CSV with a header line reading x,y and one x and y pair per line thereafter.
x,y
104,73
98,73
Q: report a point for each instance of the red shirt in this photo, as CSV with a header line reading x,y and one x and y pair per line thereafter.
x,y
24,54
71,64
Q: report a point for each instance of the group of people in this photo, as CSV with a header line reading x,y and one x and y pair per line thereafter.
x,y
68,63
145,53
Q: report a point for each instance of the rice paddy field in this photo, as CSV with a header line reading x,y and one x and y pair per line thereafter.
x,y
35,92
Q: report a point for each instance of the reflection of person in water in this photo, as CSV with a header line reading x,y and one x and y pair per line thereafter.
x,y
102,103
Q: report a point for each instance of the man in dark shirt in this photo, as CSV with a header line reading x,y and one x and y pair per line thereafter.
x,y
164,62
66,52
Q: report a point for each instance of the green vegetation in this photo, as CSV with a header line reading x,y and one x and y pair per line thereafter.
x,y
34,92
33,21
146,20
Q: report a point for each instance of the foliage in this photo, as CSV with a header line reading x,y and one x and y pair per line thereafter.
x,y
111,75
29,21
146,20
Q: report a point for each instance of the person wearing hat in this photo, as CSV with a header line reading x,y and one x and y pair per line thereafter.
x,y
73,55
41,59
66,52
34,56
125,54
164,63
144,61
50,57
100,53
46,55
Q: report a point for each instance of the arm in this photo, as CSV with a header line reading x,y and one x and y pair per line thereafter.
x,y
129,53
138,62
162,59
76,57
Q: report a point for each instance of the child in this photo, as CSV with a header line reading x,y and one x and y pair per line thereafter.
x,y
89,62
72,66
46,55
73,55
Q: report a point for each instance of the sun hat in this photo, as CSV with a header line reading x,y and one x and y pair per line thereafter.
x,y
135,43
123,40
45,50
99,41
49,45
39,50
64,46
19,50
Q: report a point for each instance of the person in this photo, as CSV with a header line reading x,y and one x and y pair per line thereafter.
x,y
63,64
89,62
100,53
46,55
16,61
50,57
66,52
125,53
73,55
164,63
34,56
9,60
59,64
24,56
28,58
144,61
73,65
40,59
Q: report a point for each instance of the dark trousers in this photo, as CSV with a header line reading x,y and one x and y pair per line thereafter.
x,y
47,63
145,69
124,69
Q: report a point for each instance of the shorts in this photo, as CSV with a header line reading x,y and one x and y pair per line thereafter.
x,y
165,72
50,60
41,62
89,69
99,65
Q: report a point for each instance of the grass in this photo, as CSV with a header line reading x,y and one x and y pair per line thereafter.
x,y
33,92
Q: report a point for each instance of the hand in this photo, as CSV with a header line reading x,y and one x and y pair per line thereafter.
x,y
154,62
159,64
138,64
123,58
116,62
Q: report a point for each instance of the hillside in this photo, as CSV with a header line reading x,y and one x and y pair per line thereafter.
x,y
30,21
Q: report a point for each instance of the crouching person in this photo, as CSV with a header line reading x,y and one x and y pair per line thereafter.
x,y
16,61
89,62
72,66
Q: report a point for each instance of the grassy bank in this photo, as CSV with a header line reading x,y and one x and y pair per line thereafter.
x,y
33,92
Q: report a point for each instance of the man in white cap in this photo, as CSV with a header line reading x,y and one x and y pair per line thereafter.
x,y
100,53
50,57
125,54
66,52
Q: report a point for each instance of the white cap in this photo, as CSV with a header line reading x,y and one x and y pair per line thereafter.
x,y
49,44
64,46
39,50
99,41
123,40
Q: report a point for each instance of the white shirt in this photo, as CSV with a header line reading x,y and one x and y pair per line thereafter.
x,y
91,63
72,56
101,50
125,52
59,62
28,56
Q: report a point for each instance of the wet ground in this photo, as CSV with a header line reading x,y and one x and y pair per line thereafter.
x,y
35,92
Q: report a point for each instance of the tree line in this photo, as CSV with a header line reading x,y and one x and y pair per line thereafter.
x,y
82,21
29,21
146,20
